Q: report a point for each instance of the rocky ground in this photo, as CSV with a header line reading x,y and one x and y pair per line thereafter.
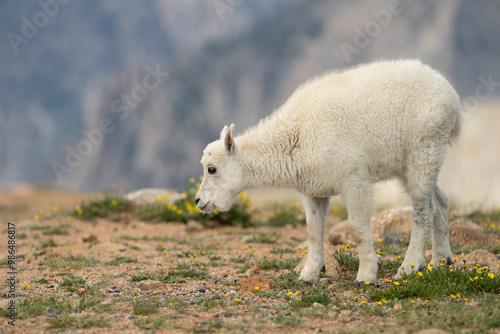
x,y
125,275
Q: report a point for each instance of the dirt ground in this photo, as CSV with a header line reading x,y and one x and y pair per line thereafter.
x,y
214,295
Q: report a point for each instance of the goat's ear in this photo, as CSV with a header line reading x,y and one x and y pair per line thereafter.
x,y
223,133
229,139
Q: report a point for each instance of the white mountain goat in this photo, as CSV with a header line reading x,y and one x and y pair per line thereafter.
x,y
338,134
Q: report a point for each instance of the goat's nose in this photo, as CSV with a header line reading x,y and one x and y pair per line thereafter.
x,y
197,200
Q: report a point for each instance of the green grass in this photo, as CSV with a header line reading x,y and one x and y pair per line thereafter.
x,y
290,216
55,230
238,259
48,243
480,217
74,262
78,322
150,323
288,320
264,238
73,283
30,306
452,317
42,280
283,251
121,259
346,260
185,209
349,262
106,207
309,300
22,236
145,307
177,275
440,283
209,303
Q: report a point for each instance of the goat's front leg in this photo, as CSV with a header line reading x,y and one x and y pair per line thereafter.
x,y
316,209
358,199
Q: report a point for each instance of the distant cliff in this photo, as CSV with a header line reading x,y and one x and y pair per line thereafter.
x,y
114,93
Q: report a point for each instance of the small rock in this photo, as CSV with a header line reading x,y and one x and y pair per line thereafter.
x,y
193,226
91,238
51,310
81,291
118,319
344,317
230,278
354,319
255,269
132,317
318,305
224,314
398,307
473,304
216,297
151,285
197,294
201,289
112,287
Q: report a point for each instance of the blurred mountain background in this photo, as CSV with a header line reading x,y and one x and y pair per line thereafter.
x,y
66,66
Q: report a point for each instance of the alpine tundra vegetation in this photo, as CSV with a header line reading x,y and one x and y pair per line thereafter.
x,y
338,134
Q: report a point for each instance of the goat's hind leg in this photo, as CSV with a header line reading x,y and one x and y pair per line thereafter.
x,y
441,251
316,209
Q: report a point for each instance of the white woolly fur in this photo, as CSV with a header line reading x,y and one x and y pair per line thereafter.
x,y
340,133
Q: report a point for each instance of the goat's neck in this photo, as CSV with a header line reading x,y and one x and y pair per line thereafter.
x,y
268,160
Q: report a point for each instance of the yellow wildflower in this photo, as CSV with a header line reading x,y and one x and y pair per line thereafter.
x,y
256,288
396,283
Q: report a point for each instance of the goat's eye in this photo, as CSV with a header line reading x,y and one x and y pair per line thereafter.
x,y
211,170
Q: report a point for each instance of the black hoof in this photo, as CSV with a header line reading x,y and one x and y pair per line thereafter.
x,y
323,270
449,261
379,264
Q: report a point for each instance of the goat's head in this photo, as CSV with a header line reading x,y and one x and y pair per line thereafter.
x,y
223,177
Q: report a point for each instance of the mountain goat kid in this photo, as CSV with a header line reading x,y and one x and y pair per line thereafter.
x,y
338,134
